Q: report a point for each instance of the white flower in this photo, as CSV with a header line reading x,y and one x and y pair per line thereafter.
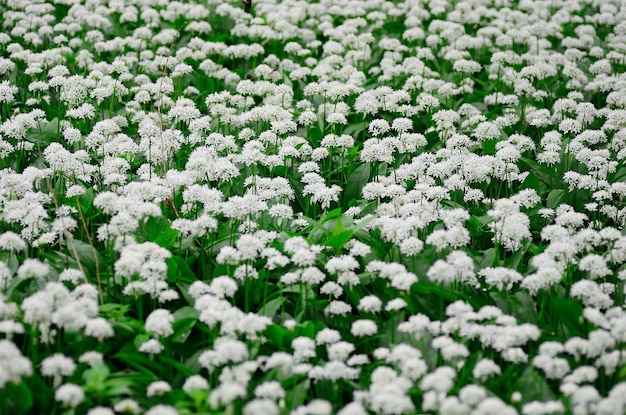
x,y
337,307
378,127
57,365
100,410
7,92
158,388
69,394
595,265
261,406
127,405
92,358
341,263
160,322
501,277
162,410
99,328
33,268
370,303
72,275
485,368
363,327
12,364
395,304
270,390
411,246
151,346
195,382
10,241
225,350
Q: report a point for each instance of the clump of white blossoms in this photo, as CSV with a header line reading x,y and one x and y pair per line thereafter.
x,y
334,207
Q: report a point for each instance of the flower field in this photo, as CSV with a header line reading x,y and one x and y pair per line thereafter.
x,y
312,207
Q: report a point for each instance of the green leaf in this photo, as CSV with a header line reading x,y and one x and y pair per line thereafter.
x,y
86,200
489,255
186,312
95,377
19,397
489,146
476,225
356,181
298,188
519,305
184,320
180,368
335,213
354,129
276,334
515,259
618,176
270,308
339,240
182,329
118,387
10,260
532,182
113,311
297,395
566,316
140,362
179,271
315,135
45,133
167,238
154,227
86,254
545,174
534,386
555,198
140,339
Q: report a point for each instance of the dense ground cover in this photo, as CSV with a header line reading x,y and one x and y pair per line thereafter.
x,y
316,207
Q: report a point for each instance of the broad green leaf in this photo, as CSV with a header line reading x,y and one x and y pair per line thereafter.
x,y
545,174
95,377
555,198
297,395
476,225
10,260
489,146
356,181
113,310
185,319
178,270
140,362
167,238
118,387
519,305
45,133
489,256
339,240
86,254
18,396
86,200
154,227
566,316
335,213
532,182
354,129
270,308
180,368
533,386
514,261
276,334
